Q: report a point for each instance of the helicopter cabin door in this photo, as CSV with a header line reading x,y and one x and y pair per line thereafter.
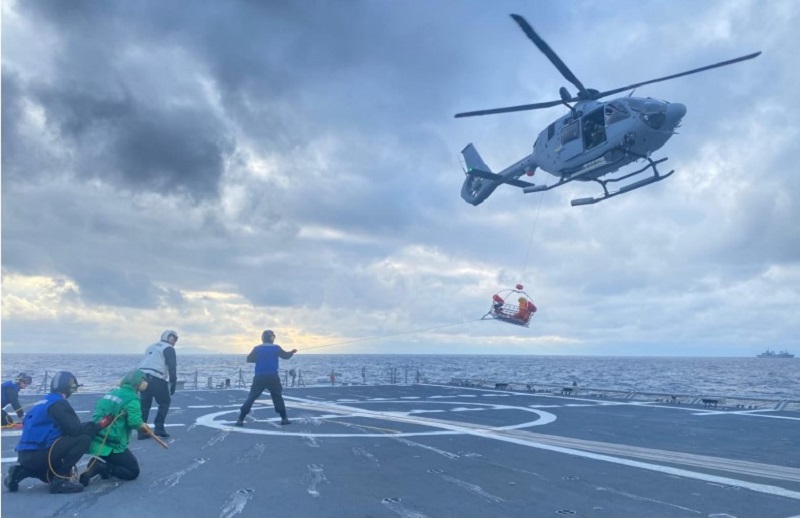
x,y
594,129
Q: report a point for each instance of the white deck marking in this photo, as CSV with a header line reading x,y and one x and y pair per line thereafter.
x,y
574,447
396,506
342,411
164,483
750,413
429,448
760,488
472,488
645,499
236,503
315,476
362,453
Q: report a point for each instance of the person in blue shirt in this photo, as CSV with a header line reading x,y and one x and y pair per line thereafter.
x,y
266,377
10,391
53,439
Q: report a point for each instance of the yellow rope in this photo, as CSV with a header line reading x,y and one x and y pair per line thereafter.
x,y
91,463
108,431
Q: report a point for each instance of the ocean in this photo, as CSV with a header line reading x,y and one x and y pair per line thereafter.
x,y
771,378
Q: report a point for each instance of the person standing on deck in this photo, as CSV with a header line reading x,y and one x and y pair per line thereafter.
x,y
11,396
159,365
266,377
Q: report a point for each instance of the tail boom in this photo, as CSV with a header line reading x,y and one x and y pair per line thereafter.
x,y
481,182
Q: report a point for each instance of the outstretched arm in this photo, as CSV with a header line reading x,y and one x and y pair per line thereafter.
x,y
68,421
285,354
12,397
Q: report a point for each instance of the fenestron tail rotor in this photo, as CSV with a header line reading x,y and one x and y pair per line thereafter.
x,y
583,92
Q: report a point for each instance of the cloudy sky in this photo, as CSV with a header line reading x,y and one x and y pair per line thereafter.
x,y
224,167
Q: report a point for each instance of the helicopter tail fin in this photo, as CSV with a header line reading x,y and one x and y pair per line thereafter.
x,y
481,181
473,159
477,187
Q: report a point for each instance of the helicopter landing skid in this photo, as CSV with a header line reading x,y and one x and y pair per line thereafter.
x,y
627,188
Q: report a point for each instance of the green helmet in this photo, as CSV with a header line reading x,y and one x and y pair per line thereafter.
x,y
133,378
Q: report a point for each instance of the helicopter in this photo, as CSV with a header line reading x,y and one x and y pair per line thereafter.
x,y
594,139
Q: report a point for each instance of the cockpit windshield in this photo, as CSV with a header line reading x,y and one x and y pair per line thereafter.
x,y
646,105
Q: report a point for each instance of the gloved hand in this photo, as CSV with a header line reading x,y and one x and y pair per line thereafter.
x,y
145,429
172,385
105,421
20,413
294,351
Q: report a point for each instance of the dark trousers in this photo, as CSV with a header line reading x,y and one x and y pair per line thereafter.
x,y
262,382
159,389
122,465
63,455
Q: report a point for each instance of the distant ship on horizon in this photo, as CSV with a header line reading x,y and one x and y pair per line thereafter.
x,y
773,354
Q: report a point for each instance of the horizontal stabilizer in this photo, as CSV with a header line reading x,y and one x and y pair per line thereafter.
x,y
498,178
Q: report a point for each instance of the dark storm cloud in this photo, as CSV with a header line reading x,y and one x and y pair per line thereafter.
x,y
147,147
101,285
117,130
284,73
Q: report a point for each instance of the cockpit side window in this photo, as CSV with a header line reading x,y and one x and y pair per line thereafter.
x,y
551,130
616,112
569,133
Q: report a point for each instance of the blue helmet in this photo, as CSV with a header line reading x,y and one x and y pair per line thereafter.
x,y
64,382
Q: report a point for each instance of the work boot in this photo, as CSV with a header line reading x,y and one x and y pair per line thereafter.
x,y
97,468
285,420
62,485
161,433
239,422
15,475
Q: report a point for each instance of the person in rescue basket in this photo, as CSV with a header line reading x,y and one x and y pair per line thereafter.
x,y
158,362
265,356
111,444
526,309
10,396
53,439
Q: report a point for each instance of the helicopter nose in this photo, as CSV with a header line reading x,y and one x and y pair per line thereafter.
x,y
675,112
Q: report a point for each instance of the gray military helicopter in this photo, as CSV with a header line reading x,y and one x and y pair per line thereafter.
x,y
594,139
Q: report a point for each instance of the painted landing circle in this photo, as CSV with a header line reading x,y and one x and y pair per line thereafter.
x,y
338,413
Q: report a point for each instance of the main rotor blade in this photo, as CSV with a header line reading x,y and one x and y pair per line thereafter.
x,y
547,51
695,71
519,108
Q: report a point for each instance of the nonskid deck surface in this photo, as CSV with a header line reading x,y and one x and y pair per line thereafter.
x,y
433,451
